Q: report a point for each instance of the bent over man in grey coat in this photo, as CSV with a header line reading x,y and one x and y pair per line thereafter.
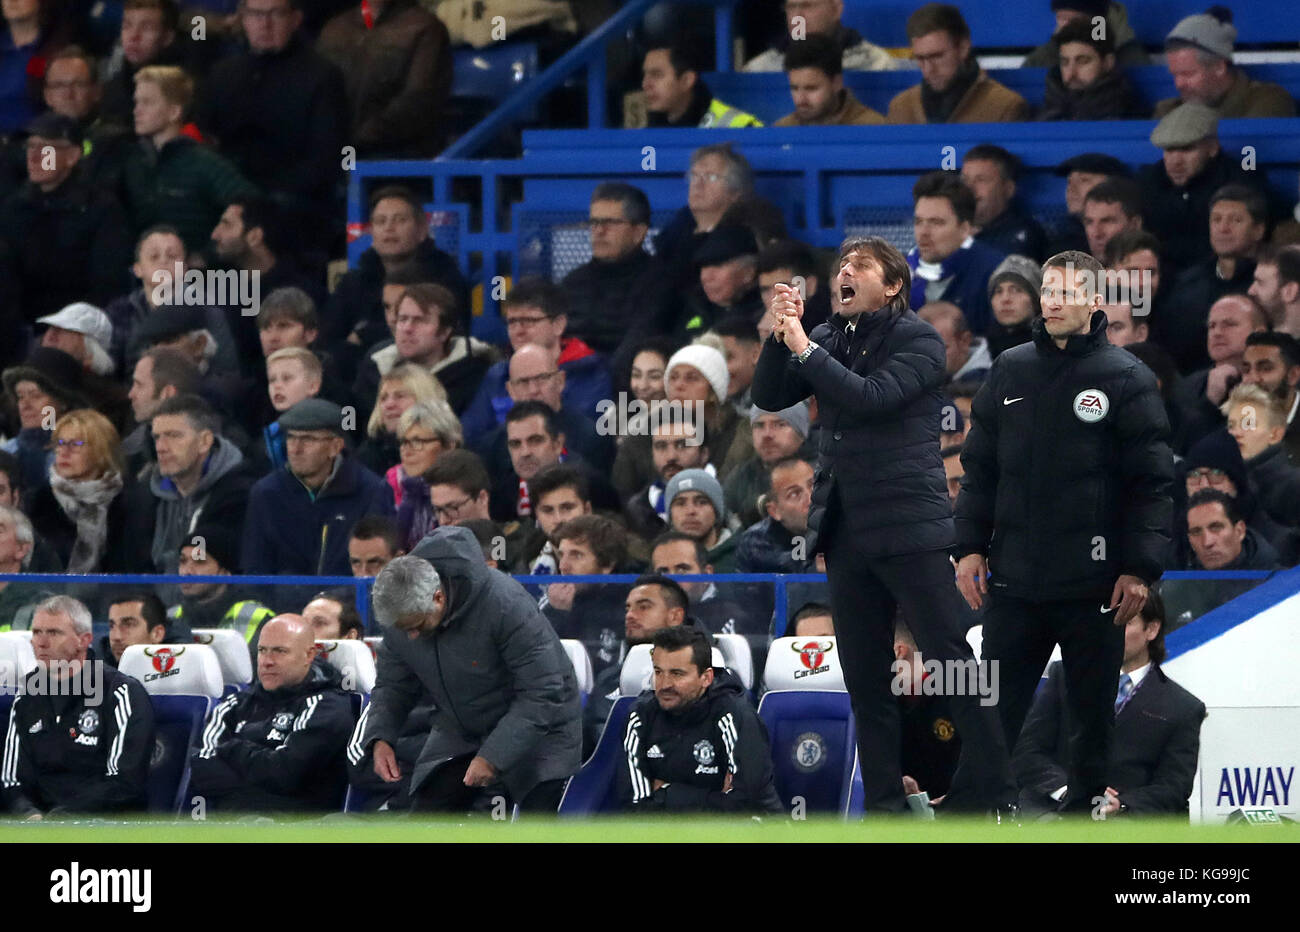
x,y
506,719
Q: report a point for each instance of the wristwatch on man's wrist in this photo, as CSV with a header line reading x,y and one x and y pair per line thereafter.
x,y
807,351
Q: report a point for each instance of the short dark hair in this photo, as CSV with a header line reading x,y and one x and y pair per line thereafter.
x,y
937,17
1118,190
431,295
1154,611
1081,30
964,389
559,476
372,527
173,368
194,409
737,327
1211,496
681,56
258,213
169,9
679,637
291,304
158,229
1008,163
636,206
606,538
152,609
461,468
950,187
820,52
349,617
674,595
809,610
661,346
1287,345
523,410
787,254
672,537
893,264
1247,197
486,532
537,292
1130,241
397,192
1288,265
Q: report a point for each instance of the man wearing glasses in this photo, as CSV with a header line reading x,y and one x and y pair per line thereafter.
x,y
536,311
459,493
300,515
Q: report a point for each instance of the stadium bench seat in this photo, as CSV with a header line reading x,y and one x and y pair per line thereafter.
x,y
16,660
232,653
184,682
581,661
809,721
593,789
638,669
354,660
737,657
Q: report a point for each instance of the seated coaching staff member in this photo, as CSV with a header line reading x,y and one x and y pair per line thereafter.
x,y
278,746
695,745
880,507
85,749
506,710
1066,502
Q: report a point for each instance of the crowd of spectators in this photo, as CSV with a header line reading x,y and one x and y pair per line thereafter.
x,y
316,432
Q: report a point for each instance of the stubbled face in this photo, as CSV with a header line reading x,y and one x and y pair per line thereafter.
x,y
127,626
677,681
692,513
646,612
1185,163
672,453
1082,66
531,447
1267,290
992,191
323,616
790,496
774,438
815,94
678,558
860,284
665,90
938,231
1265,367
939,58
1215,540
368,556
1196,82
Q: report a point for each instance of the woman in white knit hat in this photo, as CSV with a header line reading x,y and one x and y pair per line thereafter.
x,y
698,373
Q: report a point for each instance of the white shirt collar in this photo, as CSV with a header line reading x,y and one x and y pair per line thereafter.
x,y
1139,674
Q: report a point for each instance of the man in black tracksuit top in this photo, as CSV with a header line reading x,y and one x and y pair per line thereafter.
x,y
1065,510
86,749
881,511
696,745
279,746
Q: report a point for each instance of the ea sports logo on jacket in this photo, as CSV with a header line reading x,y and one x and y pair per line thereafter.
x,y
1091,405
164,662
811,655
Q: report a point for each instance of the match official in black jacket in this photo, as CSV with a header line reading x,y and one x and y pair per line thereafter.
x,y
1065,510
880,508
696,745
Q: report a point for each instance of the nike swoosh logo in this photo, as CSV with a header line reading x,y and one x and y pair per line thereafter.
x,y
1106,611
1011,401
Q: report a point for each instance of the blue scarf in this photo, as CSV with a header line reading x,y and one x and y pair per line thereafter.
x,y
949,267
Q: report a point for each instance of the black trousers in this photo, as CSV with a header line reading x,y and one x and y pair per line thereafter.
x,y
866,594
445,791
1020,635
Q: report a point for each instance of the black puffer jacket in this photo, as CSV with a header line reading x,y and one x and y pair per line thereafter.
x,y
1064,502
878,394
1111,98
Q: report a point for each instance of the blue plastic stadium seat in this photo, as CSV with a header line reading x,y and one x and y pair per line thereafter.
x,y
593,788
178,722
813,736
493,72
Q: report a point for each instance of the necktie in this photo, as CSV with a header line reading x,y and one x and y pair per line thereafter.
x,y
1125,691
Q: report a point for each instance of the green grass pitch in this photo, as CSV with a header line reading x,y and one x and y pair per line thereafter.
x,y
622,830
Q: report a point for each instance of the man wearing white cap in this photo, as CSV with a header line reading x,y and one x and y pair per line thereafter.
x,y
82,331
1198,52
